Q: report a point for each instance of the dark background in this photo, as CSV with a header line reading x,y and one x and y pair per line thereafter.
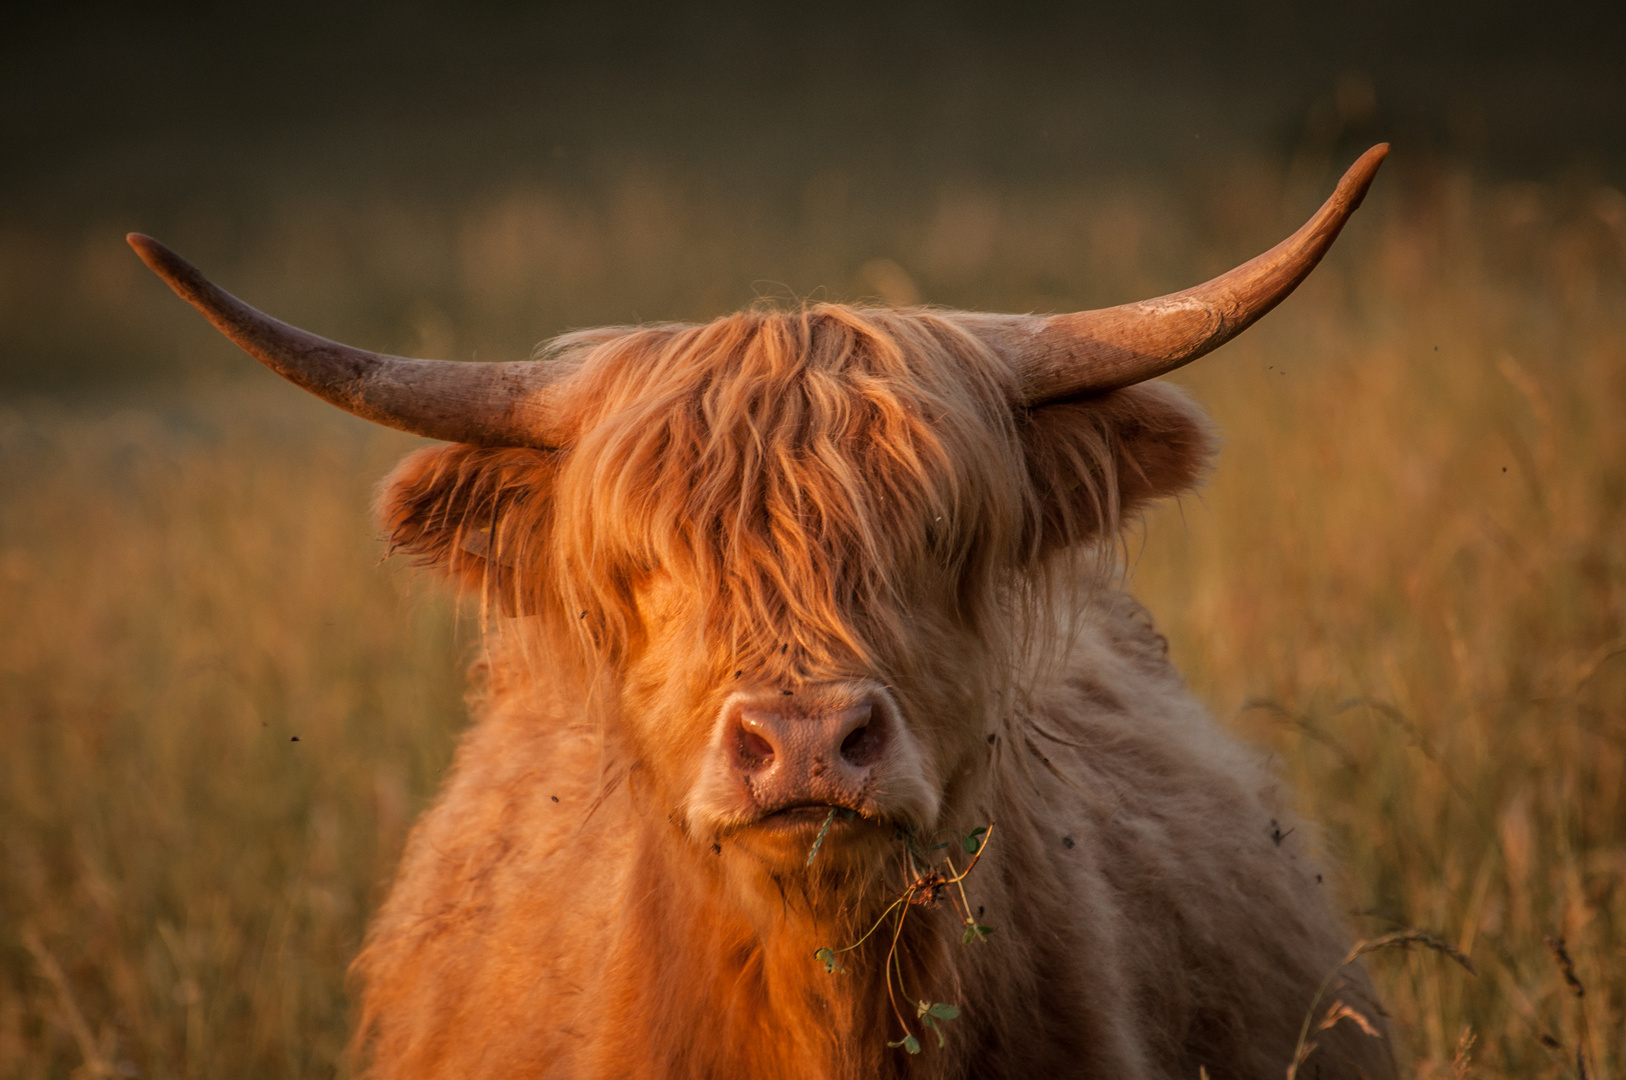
x,y
207,124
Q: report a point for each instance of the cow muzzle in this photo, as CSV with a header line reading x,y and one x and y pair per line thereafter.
x,y
791,760
779,762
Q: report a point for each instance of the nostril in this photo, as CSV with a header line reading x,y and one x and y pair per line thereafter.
x,y
863,745
752,749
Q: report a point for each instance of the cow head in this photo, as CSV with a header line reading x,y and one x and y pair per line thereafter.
x,y
798,543
789,559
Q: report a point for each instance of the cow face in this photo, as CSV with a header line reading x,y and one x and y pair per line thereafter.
x,y
791,557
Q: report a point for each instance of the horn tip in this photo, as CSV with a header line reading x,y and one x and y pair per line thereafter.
x,y
154,254
179,274
143,244
1373,158
1358,178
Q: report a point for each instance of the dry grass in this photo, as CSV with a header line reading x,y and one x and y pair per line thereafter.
x,y
1407,580
182,883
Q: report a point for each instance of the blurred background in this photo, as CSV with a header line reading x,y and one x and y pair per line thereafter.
x,y
220,711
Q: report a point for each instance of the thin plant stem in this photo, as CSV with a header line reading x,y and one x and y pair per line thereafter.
x,y
970,865
891,961
877,924
959,883
1302,1050
818,840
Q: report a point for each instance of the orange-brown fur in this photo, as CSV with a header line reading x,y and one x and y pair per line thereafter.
x,y
787,498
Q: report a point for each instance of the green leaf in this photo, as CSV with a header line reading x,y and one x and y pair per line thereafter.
x,y
972,841
909,1043
975,932
929,1013
940,847
827,957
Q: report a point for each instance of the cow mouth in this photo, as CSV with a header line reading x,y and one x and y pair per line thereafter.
x,y
806,816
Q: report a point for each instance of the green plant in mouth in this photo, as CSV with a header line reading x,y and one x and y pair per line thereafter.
x,y
927,884
818,841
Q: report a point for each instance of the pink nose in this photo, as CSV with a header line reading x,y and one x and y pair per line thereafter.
x,y
788,757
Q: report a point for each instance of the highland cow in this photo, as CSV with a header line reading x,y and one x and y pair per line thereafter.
x,y
814,736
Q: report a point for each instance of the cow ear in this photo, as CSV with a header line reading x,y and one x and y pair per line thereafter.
x,y
472,512
1097,462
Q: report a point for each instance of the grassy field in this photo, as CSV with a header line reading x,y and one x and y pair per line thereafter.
x,y
219,711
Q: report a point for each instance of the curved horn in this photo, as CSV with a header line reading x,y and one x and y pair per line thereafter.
x,y
1092,352
488,404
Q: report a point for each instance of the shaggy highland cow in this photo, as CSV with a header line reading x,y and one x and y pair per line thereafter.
x,y
813,735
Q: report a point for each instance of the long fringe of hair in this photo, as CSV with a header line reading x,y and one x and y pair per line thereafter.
x,y
851,482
